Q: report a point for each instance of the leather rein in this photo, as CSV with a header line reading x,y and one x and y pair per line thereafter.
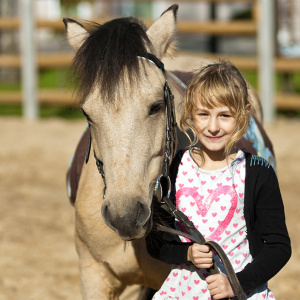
x,y
163,197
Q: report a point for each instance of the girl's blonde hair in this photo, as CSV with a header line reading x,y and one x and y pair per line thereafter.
x,y
218,84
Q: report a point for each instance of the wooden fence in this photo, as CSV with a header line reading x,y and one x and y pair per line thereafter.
x,y
214,28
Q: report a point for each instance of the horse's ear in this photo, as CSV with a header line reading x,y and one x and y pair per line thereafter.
x,y
162,31
76,33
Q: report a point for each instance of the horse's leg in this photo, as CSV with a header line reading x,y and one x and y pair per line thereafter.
x,y
97,281
93,240
107,263
154,271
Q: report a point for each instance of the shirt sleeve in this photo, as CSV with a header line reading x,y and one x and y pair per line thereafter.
x,y
167,247
270,242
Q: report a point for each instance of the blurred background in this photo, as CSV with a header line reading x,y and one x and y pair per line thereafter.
x,y
40,123
231,28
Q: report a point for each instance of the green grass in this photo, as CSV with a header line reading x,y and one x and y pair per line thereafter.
x,y
48,79
57,79
10,110
252,78
52,79
68,113
46,111
10,87
296,80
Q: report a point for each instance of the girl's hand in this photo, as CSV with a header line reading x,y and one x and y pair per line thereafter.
x,y
219,286
200,255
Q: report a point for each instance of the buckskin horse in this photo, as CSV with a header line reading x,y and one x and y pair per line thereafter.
x,y
122,85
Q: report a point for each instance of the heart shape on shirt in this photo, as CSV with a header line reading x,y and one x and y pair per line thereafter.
x,y
203,207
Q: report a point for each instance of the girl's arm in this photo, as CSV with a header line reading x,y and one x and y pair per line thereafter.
x,y
268,237
167,247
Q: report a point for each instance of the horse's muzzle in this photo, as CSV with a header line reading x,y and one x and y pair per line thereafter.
x,y
129,222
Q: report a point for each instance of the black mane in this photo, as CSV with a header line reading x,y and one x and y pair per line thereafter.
x,y
109,49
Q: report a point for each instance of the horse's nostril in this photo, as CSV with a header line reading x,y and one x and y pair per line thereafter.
x,y
139,216
129,222
105,214
142,214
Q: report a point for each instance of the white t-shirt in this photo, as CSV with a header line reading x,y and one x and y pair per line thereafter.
x,y
214,202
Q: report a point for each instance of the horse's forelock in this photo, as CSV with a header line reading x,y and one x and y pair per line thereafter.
x,y
109,50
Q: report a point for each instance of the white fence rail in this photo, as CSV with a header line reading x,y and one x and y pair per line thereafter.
x,y
261,25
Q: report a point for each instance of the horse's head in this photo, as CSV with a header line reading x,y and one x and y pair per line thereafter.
x,y
122,97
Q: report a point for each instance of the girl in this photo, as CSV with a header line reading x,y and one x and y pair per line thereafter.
x,y
231,196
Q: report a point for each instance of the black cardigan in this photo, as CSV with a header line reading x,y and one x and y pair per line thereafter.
x,y
265,221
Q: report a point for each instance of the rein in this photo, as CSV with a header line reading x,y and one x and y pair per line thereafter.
x,y
164,198
198,238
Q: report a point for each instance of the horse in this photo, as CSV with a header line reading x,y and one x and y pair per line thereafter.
x,y
121,91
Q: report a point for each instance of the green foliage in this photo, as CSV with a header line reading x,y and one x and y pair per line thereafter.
x,y
10,87
48,79
243,15
251,77
69,113
46,111
53,78
10,110
57,79
296,81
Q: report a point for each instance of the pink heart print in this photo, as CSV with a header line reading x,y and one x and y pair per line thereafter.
x,y
203,207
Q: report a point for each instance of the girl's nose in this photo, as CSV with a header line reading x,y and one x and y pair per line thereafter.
x,y
213,125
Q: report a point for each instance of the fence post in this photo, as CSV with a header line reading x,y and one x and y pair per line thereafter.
x,y
29,64
266,44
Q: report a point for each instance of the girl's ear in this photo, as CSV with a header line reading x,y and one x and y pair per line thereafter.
x,y
248,107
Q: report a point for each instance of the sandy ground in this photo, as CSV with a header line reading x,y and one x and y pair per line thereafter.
x,y
37,254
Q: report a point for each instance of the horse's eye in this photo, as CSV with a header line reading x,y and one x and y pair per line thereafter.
x,y
155,108
86,116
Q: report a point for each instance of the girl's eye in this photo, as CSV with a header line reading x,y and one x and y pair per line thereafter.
x,y
226,116
155,108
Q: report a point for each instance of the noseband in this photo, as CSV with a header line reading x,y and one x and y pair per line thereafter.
x,y
170,132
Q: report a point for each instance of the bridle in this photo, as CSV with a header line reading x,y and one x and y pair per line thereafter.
x,y
170,146
162,189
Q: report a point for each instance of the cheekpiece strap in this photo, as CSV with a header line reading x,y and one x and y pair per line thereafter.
x,y
170,116
158,63
87,156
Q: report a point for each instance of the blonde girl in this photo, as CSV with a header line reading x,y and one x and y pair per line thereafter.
x,y
231,196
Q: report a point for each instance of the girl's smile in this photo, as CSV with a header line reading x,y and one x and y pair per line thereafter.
x,y
214,127
213,138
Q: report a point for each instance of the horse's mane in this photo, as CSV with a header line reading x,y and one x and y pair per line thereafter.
x,y
108,51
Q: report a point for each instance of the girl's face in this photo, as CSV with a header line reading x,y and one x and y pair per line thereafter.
x,y
214,127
